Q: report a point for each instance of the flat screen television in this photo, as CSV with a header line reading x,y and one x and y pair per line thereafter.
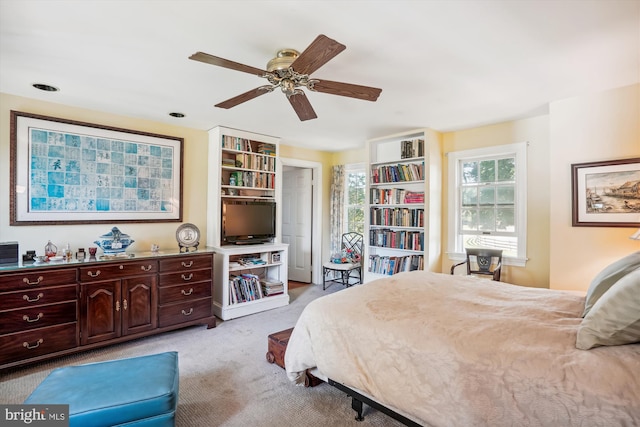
x,y
247,222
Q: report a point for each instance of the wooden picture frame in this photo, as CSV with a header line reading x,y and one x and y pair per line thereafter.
x,y
71,172
606,194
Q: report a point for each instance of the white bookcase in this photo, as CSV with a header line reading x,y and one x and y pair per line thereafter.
x,y
244,166
267,261
404,191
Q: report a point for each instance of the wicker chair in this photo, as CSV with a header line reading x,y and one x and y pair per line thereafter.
x,y
346,273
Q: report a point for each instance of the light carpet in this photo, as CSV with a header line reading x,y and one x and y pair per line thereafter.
x,y
225,379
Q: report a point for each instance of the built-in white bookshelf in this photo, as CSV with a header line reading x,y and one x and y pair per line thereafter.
x,y
403,204
244,168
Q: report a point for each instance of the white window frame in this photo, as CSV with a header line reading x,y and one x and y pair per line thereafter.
x,y
519,151
350,168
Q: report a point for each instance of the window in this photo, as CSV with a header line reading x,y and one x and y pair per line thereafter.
x,y
354,198
487,201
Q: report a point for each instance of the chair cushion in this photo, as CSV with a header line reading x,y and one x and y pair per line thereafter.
x,y
341,267
142,389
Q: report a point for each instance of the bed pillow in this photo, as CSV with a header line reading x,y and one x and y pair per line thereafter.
x,y
607,277
615,318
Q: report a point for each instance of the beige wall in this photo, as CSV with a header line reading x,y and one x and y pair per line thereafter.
x,y
535,132
598,127
163,234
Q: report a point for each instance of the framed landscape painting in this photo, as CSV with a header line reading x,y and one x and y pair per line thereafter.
x,y
606,194
65,172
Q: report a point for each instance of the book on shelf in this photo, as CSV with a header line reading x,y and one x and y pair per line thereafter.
x,y
412,148
244,288
390,265
397,173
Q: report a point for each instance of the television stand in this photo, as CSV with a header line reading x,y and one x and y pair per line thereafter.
x,y
270,265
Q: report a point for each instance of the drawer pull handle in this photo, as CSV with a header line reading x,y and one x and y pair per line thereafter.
x,y
124,304
186,293
188,313
26,297
28,319
185,277
147,268
96,274
37,282
31,347
184,264
121,267
117,305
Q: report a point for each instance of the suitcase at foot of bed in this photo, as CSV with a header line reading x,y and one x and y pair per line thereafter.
x,y
276,348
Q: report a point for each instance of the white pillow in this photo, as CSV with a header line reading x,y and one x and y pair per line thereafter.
x,y
615,318
608,277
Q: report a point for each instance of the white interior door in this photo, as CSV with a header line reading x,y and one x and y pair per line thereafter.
x,y
296,221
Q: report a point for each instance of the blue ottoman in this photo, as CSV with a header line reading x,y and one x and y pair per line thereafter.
x,y
140,391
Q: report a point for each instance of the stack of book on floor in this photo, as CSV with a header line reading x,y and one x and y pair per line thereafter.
x,y
272,287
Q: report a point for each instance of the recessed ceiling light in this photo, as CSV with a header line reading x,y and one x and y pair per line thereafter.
x,y
178,115
46,88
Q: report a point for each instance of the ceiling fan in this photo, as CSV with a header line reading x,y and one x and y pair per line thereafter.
x,y
290,70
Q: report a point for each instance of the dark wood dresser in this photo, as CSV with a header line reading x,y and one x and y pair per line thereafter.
x,y
56,309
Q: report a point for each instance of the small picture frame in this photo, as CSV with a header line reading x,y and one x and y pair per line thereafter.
x,y
275,257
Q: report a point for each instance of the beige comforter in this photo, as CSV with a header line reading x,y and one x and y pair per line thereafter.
x,y
459,351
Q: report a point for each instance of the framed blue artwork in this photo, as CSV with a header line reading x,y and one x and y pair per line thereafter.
x,y
65,171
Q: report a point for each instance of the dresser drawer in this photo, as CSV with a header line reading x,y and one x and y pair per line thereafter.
x,y
174,314
181,293
187,262
36,278
37,317
36,342
37,296
116,270
168,279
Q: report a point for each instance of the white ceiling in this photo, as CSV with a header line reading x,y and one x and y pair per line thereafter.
x,y
447,65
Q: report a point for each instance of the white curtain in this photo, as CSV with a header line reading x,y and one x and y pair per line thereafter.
x,y
337,208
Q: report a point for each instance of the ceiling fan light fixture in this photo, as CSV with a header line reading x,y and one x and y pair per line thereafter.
x,y
45,87
283,60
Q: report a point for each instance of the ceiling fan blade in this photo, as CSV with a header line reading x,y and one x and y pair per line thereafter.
x,y
346,89
301,104
221,62
254,93
318,53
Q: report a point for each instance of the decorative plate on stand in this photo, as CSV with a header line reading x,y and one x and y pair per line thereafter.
x,y
188,236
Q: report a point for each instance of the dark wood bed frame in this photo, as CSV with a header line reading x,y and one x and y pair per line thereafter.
x,y
357,399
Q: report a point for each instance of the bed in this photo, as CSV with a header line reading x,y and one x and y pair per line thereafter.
x,y
441,350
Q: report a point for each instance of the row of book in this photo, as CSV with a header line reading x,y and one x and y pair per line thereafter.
x,y
401,172
243,144
397,239
390,265
394,196
252,179
412,148
249,287
250,161
398,217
